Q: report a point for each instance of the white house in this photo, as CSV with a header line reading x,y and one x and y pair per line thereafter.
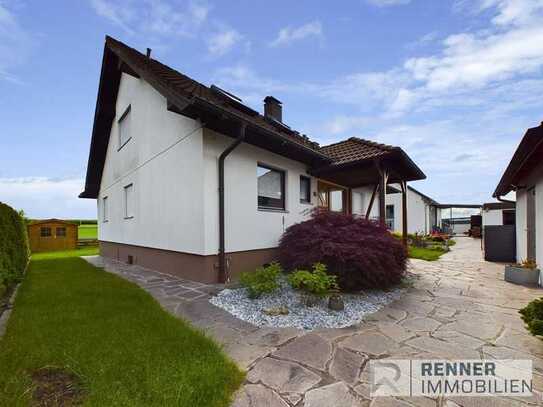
x,y
192,182
524,175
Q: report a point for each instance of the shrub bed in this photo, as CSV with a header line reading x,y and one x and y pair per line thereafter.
x,y
13,247
361,253
532,315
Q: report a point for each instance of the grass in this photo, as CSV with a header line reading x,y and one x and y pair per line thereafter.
x,y
428,254
88,231
113,336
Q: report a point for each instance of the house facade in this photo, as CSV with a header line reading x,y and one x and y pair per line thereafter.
x,y
190,181
524,176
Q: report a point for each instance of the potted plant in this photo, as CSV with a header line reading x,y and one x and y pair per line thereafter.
x,y
525,273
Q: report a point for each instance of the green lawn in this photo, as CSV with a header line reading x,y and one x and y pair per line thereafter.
x,y
88,231
111,336
428,254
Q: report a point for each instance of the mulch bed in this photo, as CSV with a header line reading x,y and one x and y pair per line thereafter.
x,y
56,387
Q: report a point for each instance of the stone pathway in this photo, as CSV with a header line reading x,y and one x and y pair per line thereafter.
x,y
459,307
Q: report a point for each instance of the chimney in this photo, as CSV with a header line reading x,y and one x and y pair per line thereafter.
x,y
273,109
148,52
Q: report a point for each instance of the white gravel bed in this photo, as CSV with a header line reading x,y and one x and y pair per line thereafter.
x,y
236,302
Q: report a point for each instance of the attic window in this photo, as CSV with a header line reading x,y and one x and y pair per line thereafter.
x,y
124,128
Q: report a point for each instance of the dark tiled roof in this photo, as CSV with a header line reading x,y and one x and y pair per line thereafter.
x,y
528,155
499,205
356,149
190,88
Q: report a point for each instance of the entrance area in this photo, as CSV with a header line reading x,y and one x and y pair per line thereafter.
x,y
332,197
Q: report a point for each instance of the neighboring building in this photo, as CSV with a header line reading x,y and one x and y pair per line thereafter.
x,y
498,213
524,175
192,182
52,234
457,226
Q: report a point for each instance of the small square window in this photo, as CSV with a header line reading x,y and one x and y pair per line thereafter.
x,y
45,232
105,213
129,201
61,232
125,128
305,189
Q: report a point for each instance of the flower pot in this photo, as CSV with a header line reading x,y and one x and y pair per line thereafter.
x,y
521,275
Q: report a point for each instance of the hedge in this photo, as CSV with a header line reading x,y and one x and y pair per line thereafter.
x,y
14,250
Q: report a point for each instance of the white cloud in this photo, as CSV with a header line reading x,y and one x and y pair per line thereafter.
x,y
287,35
223,42
42,197
386,3
15,44
159,17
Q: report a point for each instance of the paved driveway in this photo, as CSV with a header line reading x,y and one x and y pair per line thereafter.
x,y
459,307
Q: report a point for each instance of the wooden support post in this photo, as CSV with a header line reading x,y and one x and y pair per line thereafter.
x,y
383,176
403,184
372,199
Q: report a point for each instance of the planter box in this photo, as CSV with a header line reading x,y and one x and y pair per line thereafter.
x,y
520,275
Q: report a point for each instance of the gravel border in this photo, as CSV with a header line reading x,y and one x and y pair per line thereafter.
x,y
236,302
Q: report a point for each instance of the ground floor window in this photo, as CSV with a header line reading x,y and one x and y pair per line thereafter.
x,y
271,188
45,231
390,217
61,232
305,189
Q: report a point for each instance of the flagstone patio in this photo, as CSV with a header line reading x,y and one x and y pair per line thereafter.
x,y
459,307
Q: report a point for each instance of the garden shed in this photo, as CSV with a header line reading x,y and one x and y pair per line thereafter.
x,y
52,234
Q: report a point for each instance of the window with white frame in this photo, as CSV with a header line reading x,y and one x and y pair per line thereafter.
x,y
124,128
129,201
104,209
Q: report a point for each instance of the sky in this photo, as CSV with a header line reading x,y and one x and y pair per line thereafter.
x,y
454,83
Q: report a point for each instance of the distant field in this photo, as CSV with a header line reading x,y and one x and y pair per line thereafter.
x,y
88,231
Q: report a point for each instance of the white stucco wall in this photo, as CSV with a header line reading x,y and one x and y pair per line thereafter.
x,y
535,179
168,185
418,216
492,217
247,227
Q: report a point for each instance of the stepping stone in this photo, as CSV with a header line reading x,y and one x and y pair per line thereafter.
x,y
395,331
283,376
475,327
369,343
272,336
346,366
459,339
442,349
244,354
336,395
421,324
253,395
311,350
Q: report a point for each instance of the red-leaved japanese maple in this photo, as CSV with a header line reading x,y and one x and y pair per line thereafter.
x,y
361,253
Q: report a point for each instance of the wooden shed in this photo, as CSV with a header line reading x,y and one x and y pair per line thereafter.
x,y
52,234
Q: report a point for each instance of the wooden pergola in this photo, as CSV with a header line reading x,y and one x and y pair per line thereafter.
x,y
391,166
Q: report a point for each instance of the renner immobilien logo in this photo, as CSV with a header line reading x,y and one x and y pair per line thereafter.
x,y
445,377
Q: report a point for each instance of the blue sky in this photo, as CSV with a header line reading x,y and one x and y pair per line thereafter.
x,y
455,83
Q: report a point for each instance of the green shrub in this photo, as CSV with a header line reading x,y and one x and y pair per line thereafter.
x,y
261,281
316,282
452,242
13,246
532,315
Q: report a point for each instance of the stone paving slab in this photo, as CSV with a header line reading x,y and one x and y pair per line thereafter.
x,y
459,307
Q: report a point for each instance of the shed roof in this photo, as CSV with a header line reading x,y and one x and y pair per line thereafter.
x,y
52,220
498,205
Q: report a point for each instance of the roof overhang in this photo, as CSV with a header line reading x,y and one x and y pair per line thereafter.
x,y
117,60
527,156
359,173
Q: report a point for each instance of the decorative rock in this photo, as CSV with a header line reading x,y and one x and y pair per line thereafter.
x,y
335,302
276,311
336,395
257,395
283,376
